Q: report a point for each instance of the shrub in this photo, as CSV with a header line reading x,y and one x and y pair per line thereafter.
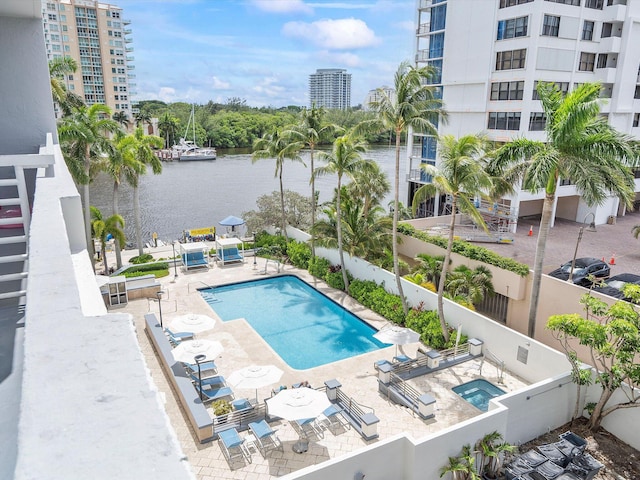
x,y
156,273
147,267
319,267
144,258
299,253
375,297
221,407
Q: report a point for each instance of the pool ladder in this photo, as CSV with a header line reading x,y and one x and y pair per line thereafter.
x,y
208,296
499,364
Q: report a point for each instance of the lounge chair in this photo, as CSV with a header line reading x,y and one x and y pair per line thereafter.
x,y
266,437
207,368
377,364
401,358
233,445
194,260
333,418
242,404
308,427
211,394
176,337
217,380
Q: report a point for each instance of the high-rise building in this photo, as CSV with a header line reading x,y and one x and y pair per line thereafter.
x,y
330,88
98,38
487,75
376,95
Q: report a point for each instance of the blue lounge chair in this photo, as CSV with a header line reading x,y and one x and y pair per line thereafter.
x,y
334,418
226,255
233,445
308,427
211,394
401,358
207,368
215,381
176,337
241,404
266,437
194,260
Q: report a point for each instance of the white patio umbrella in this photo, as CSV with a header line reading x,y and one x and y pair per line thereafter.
x,y
396,335
255,376
192,322
186,351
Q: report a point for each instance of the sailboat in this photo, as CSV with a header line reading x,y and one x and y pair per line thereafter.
x,y
188,150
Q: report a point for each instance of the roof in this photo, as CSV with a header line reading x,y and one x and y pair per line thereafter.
x,y
227,242
194,247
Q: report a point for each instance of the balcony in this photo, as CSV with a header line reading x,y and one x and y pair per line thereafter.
x,y
423,29
128,40
131,75
425,4
127,31
422,56
615,13
129,49
606,75
131,59
610,44
126,21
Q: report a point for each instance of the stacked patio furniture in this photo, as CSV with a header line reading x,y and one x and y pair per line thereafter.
x,y
233,446
176,337
563,460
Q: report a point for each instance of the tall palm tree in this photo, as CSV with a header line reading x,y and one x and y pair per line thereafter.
x,y
413,104
103,227
473,285
142,117
580,146
84,138
58,68
460,175
343,160
311,131
281,147
370,184
430,266
122,118
168,125
137,150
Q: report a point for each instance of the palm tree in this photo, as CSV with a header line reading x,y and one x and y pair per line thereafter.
x,y
412,105
142,117
138,151
281,147
58,68
343,160
311,131
84,137
430,267
370,184
580,146
473,285
103,227
168,125
122,118
461,176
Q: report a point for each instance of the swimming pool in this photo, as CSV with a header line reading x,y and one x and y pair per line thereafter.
x,y
478,392
305,327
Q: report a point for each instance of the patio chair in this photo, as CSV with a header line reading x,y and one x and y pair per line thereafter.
x,y
377,364
266,437
233,446
211,394
211,381
207,369
241,404
401,358
333,418
308,427
176,337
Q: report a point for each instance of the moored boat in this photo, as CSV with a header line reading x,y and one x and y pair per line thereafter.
x,y
197,153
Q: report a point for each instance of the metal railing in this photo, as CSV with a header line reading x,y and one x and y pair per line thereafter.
x,y
400,386
350,406
198,281
500,365
239,419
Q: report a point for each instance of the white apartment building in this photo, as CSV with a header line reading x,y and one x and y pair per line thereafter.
x,y
491,53
97,36
330,88
376,94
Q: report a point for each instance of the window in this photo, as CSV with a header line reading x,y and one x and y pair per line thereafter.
x,y
537,121
606,30
562,86
507,90
602,60
511,59
436,45
587,61
596,4
511,3
550,26
637,92
52,17
504,121
636,119
53,27
438,18
575,3
63,18
514,27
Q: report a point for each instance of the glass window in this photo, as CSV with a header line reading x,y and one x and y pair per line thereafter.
x,y
637,92
507,90
602,60
438,17
550,26
436,45
504,121
513,27
636,119
606,30
511,59
587,61
537,121
511,3
587,30
596,4
563,87
575,3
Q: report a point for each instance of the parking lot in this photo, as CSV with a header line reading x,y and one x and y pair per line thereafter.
x,y
609,242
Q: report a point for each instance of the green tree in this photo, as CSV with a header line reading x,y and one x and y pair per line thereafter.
x,y
462,467
311,131
102,227
122,118
491,449
58,68
471,284
84,139
280,147
580,145
371,184
430,267
142,117
344,160
413,105
612,336
297,210
460,175
168,126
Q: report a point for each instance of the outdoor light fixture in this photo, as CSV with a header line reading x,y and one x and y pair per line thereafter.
x,y
175,267
591,228
255,252
200,358
159,297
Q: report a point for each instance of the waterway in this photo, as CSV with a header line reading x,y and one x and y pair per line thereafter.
x,y
200,194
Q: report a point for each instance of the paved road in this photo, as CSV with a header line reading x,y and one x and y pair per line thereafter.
x,y
608,241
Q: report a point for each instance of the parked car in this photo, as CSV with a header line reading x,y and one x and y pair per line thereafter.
x,y
613,286
584,268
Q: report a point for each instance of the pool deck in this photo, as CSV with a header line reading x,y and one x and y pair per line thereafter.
x,y
244,347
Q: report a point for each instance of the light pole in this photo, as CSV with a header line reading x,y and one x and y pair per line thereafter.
x,y
159,297
255,252
198,359
592,228
175,268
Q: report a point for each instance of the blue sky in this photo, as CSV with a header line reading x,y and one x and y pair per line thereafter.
x,y
264,50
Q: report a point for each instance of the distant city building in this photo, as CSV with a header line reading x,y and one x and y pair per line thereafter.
x,y
97,37
330,88
375,95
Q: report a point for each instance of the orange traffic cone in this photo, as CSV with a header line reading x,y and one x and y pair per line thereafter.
x,y
613,259
531,231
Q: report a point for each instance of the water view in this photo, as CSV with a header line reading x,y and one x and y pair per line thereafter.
x,y
200,194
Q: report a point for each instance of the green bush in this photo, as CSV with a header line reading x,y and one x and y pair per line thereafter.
x,y
299,253
376,298
147,267
156,273
319,267
427,324
144,258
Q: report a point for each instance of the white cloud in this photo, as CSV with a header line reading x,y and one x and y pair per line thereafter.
x,y
282,6
408,25
167,94
341,34
343,59
219,84
268,86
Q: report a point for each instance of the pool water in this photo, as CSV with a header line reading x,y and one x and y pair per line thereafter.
x,y
302,325
478,392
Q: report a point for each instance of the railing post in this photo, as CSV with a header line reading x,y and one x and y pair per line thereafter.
x,y
332,389
475,346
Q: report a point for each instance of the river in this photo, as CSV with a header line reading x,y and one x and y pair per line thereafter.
x,y
200,194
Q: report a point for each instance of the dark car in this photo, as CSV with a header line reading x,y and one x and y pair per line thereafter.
x,y
584,268
613,286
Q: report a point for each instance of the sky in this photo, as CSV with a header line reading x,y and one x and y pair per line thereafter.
x,y
263,51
